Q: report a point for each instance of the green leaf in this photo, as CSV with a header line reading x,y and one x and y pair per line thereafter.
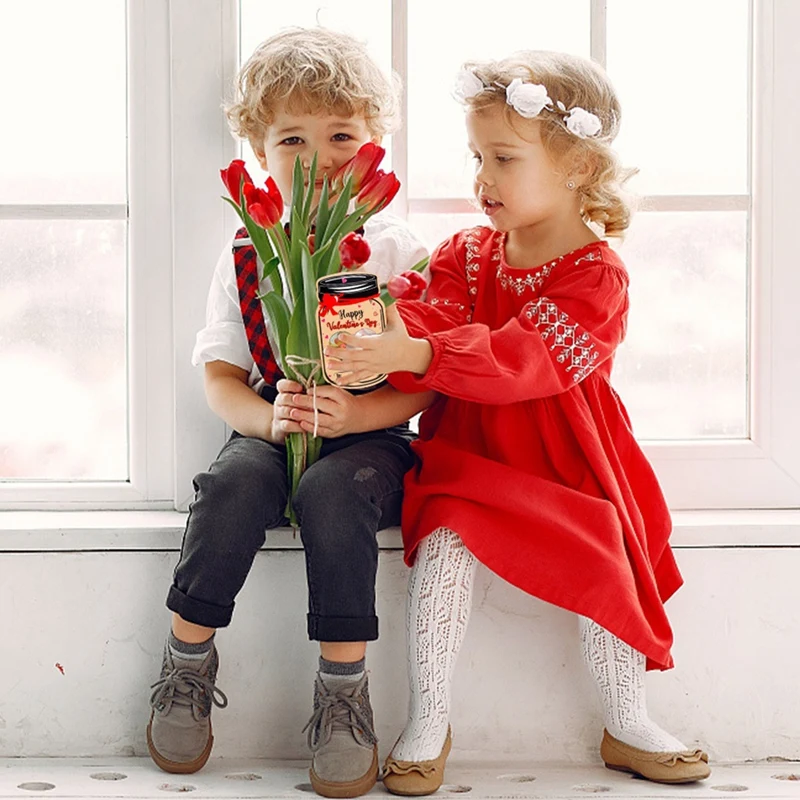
x,y
297,343
311,307
329,261
298,187
261,242
297,243
312,178
270,267
234,206
278,316
338,212
323,214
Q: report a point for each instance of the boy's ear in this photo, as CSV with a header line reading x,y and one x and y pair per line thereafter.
x,y
261,156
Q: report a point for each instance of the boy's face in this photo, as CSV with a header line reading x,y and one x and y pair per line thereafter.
x,y
334,138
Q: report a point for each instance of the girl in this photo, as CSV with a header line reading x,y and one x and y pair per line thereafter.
x,y
527,461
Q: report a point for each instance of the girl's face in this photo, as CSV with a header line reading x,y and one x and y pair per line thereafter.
x,y
334,138
517,183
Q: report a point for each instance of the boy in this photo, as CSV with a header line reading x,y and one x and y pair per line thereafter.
x,y
301,92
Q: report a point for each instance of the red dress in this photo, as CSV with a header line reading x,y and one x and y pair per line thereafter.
x,y
528,453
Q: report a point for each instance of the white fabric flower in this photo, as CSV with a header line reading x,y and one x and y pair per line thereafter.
x,y
583,123
527,99
467,85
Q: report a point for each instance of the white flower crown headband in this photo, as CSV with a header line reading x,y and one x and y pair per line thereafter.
x,y
528,100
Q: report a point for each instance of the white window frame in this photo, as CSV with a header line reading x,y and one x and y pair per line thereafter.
x,y
149,313
183,58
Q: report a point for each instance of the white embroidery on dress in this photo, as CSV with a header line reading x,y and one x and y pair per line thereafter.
x,y
445,302
593,255
519,285
472,266
571,345
534,280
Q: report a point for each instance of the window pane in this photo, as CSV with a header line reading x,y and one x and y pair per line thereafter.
x,y
682,372
63,350
366,20
433,229
62,80
681,71
440,40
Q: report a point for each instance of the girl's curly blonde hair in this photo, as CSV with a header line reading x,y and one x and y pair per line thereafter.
x,y
311,70
573,81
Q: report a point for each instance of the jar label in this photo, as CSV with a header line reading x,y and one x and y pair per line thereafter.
x,y
358,316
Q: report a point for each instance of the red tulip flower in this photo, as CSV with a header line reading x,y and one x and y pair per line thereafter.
x,y
379,192
354,251
265,207
362,166
418,283
232,178
406,286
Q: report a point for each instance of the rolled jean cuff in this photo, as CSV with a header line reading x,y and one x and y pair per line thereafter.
x,y
206,614
342,629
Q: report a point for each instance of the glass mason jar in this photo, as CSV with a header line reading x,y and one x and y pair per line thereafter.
x,y
349,302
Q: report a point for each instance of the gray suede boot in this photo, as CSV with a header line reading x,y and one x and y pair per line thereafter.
x,y
342,738
179,733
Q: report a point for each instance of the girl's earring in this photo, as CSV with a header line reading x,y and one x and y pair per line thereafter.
x,y
570,185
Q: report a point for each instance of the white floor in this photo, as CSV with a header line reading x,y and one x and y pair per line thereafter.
x,y
225,778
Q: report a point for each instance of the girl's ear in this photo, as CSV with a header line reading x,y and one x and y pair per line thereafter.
x,y
581,165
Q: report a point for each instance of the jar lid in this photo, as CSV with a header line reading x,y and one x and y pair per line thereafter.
x,y
349,284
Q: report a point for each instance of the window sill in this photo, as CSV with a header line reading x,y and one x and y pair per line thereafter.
x,y
99,531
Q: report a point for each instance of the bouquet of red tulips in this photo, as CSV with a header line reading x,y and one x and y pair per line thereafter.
x,y
320,240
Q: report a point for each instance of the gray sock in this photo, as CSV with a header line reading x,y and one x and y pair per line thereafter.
x,y
341,671
189,652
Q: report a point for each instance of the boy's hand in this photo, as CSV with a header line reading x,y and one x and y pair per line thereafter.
x,y
336,411
282,421
360,357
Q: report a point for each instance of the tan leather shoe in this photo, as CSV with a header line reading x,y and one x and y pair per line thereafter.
x,y
416,778
342,739
677,767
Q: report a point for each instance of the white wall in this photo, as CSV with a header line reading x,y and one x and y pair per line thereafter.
x,y
520,690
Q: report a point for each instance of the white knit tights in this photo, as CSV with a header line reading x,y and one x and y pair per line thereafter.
x,y
618,671
439,603
438,609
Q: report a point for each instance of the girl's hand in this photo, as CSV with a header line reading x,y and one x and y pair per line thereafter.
x,y
282,408
391,351
336,411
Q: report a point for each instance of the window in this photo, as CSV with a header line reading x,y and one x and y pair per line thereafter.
x,y
76,426
709,369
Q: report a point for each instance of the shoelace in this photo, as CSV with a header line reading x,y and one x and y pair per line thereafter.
x,y
167,688
339,708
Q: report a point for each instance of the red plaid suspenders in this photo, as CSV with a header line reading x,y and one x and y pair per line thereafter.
x,y
246,264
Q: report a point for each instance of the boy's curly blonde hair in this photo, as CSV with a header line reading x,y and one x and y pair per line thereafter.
x,y
573,81
311,70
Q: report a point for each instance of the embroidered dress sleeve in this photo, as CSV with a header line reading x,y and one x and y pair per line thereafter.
x,y
554,343
224,337
447,305
447,302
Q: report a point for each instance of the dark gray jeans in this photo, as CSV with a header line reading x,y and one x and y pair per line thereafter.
x,y
352,492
